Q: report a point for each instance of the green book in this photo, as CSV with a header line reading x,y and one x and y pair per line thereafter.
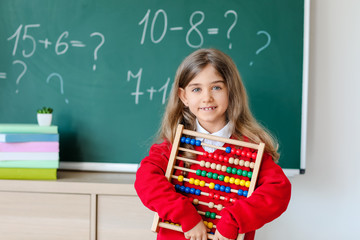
x,y
28,173
29,164
26,128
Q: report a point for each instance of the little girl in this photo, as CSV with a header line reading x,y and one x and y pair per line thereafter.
x,y
208,96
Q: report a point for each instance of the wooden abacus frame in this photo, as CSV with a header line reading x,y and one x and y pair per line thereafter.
x,y
172,160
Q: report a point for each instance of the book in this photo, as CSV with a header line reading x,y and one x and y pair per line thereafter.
x,y
28,173
28,137
29,156
29,146
29,164
26,128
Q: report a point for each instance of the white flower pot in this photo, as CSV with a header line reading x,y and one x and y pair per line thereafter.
x,y
44,119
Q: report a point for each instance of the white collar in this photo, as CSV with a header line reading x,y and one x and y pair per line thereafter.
x,y
225,132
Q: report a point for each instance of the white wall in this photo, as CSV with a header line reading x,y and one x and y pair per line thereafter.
x,y
325,201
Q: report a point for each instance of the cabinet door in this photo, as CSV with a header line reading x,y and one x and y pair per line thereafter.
x,y
44,216
123,217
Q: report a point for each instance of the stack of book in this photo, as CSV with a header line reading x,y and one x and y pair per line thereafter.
x,y
28,151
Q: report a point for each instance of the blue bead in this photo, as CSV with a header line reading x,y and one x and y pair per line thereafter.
x,y
192,141
198,143
222,188
245,193
217,187
228,149
182,139
187,189
187,141
192,190
182,188
240,192
197,192
228,189
177,187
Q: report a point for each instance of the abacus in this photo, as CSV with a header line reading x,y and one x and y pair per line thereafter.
x,y
237,166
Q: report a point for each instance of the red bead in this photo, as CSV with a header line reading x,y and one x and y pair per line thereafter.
x,y
221,158
216,196
191,199
205,154
226,158
243,153
238,152
227,199
253,156
233,200
233,150
216,157
211,195
248,154
210,155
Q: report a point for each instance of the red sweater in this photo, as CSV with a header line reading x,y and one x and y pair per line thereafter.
x,y
269,200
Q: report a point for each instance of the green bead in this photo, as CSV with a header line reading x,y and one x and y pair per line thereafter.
x,y
203,173
213,215
234,171
228,170
198,172
215,176
244,173
209,174
249,174
239,172
207,214
221,177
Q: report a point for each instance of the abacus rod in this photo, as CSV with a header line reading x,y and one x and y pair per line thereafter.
x,y
221,139
187,160
185,169
251,166
190,151
206,184
203,213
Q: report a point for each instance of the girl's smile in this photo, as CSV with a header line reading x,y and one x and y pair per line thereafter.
x,y
207,98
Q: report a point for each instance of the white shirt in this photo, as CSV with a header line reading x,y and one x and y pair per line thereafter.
x,y
225,132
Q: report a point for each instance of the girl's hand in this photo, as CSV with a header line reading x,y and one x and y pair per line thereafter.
x,y
199,232
218,236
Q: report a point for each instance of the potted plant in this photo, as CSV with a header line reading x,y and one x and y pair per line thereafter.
x,y
44,116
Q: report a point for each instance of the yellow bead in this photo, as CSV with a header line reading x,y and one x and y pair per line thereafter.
x,y
237,181
227,179
202,183
206,223
211,185
197,182
247,184
210,225
191,180
242,182
232,180
180,178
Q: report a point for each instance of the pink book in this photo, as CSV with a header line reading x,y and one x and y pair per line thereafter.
x,y
29,147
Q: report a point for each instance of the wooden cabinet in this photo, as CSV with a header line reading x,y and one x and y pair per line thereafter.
x,y
79,205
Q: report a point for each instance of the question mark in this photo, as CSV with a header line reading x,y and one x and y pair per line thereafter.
x,y
97,48
232,25
263,47
21,74
61,83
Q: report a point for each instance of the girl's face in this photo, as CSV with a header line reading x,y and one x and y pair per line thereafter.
x,y
207,98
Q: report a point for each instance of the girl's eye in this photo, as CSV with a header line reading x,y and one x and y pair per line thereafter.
x,y
196,90
217,88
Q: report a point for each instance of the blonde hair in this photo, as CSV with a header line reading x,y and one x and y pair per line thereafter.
x,y
238,112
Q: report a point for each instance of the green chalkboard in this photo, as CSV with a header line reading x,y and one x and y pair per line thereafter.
x,y
106,67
